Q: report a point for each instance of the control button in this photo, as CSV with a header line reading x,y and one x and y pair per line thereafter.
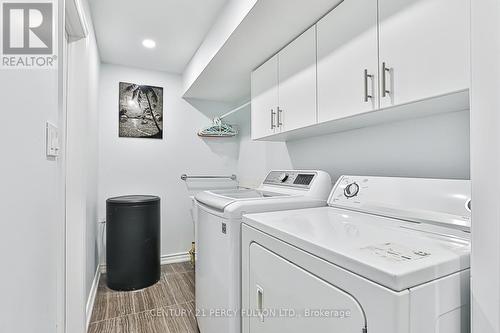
x,y
351,190
283,177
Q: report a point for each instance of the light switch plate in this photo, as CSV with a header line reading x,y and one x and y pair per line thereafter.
x,y
52,140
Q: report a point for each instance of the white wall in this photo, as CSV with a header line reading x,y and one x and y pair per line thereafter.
x,y
91,140
485,166
31,201
149,166
433,147
30,228
81,175
256,158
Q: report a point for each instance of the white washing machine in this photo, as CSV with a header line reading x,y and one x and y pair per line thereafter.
x,y
218,238
389,255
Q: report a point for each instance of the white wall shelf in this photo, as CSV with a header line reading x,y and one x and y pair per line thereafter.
x,y
451,102
266,29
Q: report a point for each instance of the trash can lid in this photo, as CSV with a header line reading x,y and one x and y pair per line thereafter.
x,y
133,199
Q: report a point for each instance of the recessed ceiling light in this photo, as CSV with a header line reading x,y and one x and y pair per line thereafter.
x,y
149,43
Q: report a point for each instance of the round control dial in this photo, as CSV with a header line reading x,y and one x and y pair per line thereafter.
x,y
283,177
351,190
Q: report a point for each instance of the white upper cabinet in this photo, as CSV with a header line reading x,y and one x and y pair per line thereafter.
x,y
297,82
363,56
424,45
264,99
348,60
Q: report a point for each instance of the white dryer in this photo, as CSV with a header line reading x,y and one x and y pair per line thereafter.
x,y
389,255
218,238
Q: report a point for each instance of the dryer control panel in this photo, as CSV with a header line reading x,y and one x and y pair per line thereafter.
x,y
297,179
444,202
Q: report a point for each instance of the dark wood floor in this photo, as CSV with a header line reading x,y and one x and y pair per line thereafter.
x,y
166,307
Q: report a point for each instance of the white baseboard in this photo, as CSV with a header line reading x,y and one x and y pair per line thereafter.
x,y
164,260
174,258
92,295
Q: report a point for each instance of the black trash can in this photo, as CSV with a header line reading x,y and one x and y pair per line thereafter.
x,y
132,242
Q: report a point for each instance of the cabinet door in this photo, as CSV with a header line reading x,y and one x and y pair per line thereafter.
x,y
264,83
425,47
347,47
284,295
297,82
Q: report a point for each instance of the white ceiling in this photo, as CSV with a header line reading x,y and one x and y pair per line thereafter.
x,y
177,26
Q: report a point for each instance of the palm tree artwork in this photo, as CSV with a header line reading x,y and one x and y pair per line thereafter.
x,y
141,111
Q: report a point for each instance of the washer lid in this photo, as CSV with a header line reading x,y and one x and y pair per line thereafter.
x,y
219,199
394,253
133,199
247,194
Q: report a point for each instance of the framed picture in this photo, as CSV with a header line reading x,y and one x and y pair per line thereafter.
x,y
140,111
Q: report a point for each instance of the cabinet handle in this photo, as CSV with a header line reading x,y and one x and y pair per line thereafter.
x,y
385,70
279,123
366,77
272,119
260,296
